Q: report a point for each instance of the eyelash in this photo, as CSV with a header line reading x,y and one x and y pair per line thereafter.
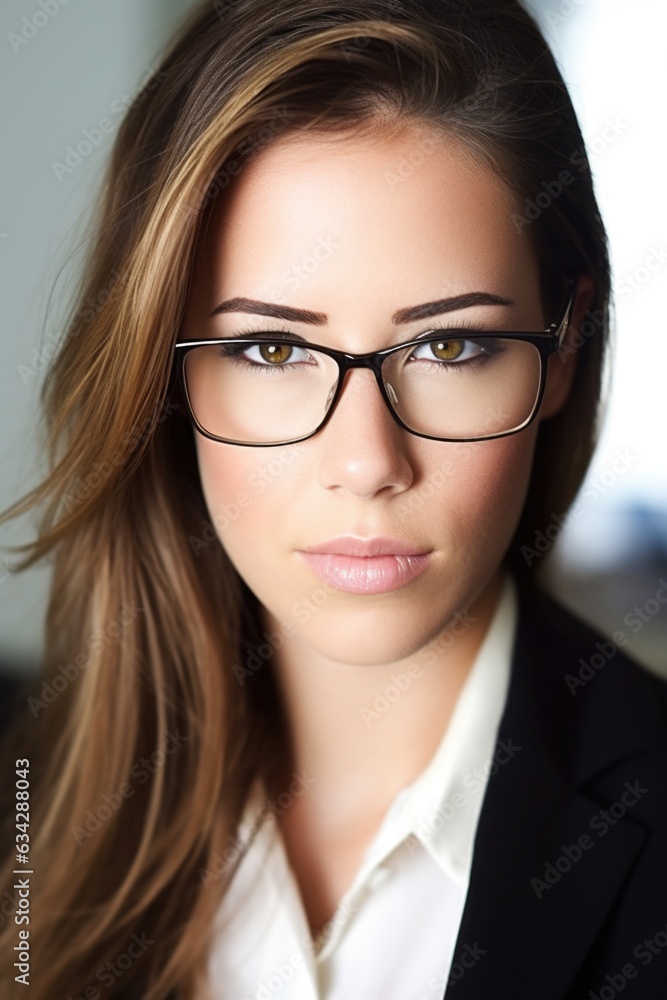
x,y
248,331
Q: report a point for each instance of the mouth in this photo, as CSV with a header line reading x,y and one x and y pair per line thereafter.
x,y
366,566
380,545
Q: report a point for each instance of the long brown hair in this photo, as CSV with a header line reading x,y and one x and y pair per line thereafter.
x,y
145,625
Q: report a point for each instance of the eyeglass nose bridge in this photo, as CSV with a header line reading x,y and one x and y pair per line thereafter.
x,y
373,361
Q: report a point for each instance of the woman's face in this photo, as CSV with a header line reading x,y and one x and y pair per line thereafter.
x,y
357,229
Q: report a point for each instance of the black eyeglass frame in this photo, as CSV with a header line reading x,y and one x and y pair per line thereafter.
x,y
546,341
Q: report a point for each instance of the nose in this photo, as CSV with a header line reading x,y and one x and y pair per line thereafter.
x,y
362,448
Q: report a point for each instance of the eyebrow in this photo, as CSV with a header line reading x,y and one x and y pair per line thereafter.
x,y
409,315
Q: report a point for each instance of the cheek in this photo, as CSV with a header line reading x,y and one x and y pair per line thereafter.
x,y
245,490
224,476
483,494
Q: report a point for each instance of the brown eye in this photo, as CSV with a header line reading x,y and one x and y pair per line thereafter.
x,y
447,350
275,352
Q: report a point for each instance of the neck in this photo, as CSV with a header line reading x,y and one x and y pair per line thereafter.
x,y
353,741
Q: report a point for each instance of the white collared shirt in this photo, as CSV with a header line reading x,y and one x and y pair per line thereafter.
x,y
394,931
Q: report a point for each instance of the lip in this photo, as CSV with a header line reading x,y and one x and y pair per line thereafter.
x,y
366,566
380,545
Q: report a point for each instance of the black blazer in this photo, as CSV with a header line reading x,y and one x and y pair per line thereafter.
x,y
568,888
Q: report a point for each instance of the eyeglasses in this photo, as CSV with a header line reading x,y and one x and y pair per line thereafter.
x,y
448,385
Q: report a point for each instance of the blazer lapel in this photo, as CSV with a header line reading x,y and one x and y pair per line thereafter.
x,y
543,879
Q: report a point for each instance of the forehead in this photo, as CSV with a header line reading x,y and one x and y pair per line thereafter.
x,y
402,212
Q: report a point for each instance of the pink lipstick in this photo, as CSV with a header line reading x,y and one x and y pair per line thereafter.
x,y
366,565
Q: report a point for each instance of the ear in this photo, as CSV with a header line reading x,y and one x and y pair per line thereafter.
x,y
560,370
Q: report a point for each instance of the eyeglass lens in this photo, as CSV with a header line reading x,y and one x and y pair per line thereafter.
x,y
275,392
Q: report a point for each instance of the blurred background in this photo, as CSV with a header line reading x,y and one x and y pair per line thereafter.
x,y
66,66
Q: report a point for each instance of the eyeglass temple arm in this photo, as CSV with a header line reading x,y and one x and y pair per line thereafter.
x,y
559,333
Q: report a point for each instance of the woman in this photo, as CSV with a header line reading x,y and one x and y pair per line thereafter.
x,y
308,726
